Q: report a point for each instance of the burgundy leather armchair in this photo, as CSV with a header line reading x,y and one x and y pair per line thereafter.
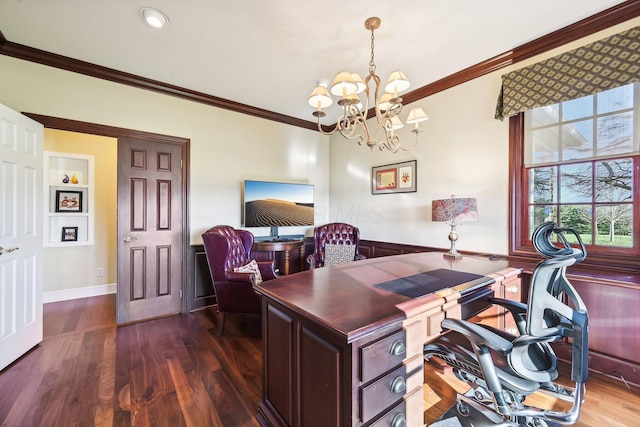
x,y
337,233
227,248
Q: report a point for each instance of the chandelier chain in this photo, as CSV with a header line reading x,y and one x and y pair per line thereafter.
x,y
372,65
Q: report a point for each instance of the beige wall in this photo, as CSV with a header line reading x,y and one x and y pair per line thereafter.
x,y
226,147
463,151
76,266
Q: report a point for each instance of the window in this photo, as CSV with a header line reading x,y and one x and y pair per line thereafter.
x,y
578,166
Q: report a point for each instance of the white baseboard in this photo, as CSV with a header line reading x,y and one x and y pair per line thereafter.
x,y
68,294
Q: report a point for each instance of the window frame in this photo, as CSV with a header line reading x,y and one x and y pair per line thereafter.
x,y
520,246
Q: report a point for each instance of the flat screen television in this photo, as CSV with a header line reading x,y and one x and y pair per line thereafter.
x,y
277,204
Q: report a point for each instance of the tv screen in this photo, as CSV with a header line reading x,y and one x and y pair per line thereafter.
x,y
277,204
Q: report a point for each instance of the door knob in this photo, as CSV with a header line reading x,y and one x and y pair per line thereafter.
x,y
127,239
8,251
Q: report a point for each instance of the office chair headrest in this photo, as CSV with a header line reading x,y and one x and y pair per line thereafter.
x,y
543,242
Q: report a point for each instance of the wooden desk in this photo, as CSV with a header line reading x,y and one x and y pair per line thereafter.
x,y
339,352
282,246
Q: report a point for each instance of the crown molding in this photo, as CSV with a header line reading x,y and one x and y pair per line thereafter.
x,y
600,21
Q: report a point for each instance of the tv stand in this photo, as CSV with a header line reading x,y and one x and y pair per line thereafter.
x,y
280,244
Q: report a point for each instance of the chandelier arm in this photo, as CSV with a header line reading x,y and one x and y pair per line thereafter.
x,y
322,131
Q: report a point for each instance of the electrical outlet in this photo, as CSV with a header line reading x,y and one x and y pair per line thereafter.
x,y
100,272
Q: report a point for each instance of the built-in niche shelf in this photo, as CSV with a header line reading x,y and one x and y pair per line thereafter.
x,y
69,199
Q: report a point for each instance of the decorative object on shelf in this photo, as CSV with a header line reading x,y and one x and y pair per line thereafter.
x,y
65,179
74,179
348,86
454,211
68,201
69,234
395,178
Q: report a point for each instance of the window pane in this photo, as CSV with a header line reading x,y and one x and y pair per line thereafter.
x,y
577,108
616,99
544,146
614,224
540,214
615,134
577,140
577,217
576,183
544,116
614,180
542,185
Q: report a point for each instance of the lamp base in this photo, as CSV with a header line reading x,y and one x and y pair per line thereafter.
x,y
452,255
453,236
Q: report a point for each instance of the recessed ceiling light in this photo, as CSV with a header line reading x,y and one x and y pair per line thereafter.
x,y
154,17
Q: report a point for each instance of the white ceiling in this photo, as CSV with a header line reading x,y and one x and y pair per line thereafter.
x,y
270,53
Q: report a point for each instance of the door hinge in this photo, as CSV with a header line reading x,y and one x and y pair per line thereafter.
x,y
180,293
180,164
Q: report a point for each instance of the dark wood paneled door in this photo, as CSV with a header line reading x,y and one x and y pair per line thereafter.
x,y
150,251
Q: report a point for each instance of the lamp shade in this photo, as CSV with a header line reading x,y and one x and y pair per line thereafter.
x,y
417,115
320,98
343,84
395,123
397,82
384,103
454,210
359,82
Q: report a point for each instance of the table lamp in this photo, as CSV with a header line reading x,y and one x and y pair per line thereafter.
x,y
454,211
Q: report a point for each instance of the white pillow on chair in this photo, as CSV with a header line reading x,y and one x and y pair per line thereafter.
x,y
338,254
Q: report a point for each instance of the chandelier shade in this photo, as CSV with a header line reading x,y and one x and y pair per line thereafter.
x,y
397,82
320,98
356,96
344,84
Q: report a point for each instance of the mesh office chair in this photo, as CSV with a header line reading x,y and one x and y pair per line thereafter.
x,y
503,369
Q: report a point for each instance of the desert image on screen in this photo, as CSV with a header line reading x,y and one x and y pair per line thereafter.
x,y
270,212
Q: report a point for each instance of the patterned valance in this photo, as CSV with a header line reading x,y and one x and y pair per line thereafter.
x,y
599,66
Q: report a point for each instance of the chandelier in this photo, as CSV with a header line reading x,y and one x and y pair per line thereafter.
x,y
352,124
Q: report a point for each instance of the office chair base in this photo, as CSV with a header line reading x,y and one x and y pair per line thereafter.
x,y
478,414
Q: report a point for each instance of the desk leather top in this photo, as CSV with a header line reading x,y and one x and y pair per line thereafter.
x,y
343,299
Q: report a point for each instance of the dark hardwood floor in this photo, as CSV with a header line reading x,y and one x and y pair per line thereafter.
x,y
176,372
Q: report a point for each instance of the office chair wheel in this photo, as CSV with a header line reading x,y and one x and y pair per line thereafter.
x,y
463,409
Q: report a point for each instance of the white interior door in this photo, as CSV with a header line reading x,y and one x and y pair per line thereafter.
x,y
21,211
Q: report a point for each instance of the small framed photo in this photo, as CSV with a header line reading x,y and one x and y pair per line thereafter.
x,y
68,201
69,234
394,178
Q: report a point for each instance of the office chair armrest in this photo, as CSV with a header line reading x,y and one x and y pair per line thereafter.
x,y
517,309
478,335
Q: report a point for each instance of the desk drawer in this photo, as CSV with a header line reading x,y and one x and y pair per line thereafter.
x,y
391,388
409,410
380,356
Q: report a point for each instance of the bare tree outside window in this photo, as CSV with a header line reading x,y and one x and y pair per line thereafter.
x,y
582,162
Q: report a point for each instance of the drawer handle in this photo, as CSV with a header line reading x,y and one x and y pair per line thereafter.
x,y
398,348
399,385
399,420
513,289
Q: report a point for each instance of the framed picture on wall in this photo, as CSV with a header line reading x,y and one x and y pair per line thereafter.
x,y
394,178
68,201
69,234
